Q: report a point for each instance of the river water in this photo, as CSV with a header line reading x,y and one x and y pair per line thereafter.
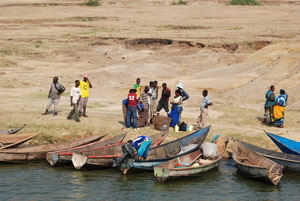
x,y
40,181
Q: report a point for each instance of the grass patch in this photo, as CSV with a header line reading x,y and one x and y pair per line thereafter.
x,y
95,105
92,3
14,50
179,2
245,2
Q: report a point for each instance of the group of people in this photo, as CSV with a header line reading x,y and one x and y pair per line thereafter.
x,y
146,104
275,107
79,95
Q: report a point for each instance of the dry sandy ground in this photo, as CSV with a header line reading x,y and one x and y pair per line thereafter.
x,y
235,52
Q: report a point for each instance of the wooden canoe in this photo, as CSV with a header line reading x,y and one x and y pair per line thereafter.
x,y
11,131
254,165
197,165
104,156
39,152
10,139
64,156
168,151
290,162
25,138
285,145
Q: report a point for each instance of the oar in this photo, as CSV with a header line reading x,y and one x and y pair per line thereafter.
x,y
193,161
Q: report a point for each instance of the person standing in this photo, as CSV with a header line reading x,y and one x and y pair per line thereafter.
x,y
145,100
202,119
184,95
142,144
270,102
164,100
279,109
85,86
75,96
153,99
131,110
56,89
176,109
137,87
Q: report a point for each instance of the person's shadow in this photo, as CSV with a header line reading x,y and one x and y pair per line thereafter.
x,y
266,124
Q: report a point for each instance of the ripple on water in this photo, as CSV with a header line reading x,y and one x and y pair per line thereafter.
x,y
39,181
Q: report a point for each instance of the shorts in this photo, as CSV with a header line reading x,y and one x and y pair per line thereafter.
x,y
83,103
164,105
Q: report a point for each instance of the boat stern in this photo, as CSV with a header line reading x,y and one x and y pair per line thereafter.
x,y
161,174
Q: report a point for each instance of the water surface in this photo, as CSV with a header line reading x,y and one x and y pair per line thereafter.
x,y
39,181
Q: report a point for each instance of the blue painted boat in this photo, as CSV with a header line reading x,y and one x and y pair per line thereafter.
x,y
168,151
285,145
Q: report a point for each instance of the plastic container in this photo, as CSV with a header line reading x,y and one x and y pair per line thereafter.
x,y
176,128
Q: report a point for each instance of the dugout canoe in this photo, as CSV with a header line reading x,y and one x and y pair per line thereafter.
x,y
168,151
104,156
10,139
65,156
11,131
39,152
19,141
290,162
197,165
284,144
254,165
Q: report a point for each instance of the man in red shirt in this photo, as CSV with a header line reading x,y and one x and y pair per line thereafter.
x,y
131,111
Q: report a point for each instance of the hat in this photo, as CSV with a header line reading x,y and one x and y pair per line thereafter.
x,y
85,76
179,85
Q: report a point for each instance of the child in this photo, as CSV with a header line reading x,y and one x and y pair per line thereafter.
x,y
75,97
202,119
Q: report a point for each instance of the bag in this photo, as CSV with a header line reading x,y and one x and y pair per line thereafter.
x,y
60,91
209,150
182,126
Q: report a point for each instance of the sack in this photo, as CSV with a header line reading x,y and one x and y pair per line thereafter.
x,y
60,90
209,150
182,126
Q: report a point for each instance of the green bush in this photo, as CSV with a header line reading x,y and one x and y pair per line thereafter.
x,y
245,2
180,2
92,3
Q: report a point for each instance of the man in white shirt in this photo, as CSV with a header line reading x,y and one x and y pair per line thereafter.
x,y
75,96
202,119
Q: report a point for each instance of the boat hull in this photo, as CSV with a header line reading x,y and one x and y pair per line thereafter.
x,y
39,152
65,156
254,165
157,155
290,162
285,145
104,156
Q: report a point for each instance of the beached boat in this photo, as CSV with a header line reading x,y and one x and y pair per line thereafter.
x,y
64,156
290,162
16,141
104,156
194,163
284,144
254,165
168,151
11,131
39,152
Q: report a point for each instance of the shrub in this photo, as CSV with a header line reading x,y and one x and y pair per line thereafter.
x,y
245,2
180,2
92,3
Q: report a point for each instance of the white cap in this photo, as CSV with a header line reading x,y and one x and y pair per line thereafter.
x,y
179,85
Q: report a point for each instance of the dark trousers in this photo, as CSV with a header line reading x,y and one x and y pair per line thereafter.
x,y
74,114
131,112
